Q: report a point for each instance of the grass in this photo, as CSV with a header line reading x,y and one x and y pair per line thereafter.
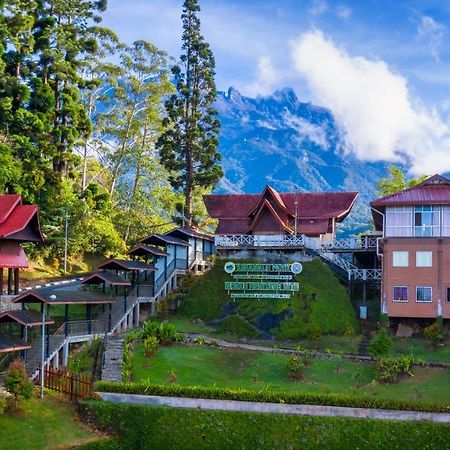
x,y
322,300
204,366
422,349
43,424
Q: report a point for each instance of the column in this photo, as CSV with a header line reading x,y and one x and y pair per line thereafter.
x,y
89,317
131,318
16,281
1,280
56,361
66,320
137,313
65,355
10,273
109,317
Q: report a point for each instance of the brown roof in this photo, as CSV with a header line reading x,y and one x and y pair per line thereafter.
x,y
434,190
142,250
125,264
12,344
25,317
106,277
56,297
233,210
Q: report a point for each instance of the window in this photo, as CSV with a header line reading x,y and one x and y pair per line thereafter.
x,y
400,294
424,294
400,259
448,295
424,259
399,221
426,220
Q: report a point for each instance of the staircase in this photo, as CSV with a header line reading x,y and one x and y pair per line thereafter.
x,y
113,359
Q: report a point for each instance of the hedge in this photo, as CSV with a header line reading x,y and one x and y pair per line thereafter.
x,y
149,427
174,390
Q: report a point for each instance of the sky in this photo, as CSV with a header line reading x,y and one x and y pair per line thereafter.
x,y
381,66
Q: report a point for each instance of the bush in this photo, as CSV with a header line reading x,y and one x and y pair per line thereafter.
x,y
434,333
296,368
174,390
238,326
150,346
147,427
314,335
380,344
165,332
389,370
2,404
17,381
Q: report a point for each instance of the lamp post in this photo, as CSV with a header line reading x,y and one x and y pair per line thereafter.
x,y
41,374
66,227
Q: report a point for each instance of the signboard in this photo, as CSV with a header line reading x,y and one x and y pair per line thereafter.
x,y
262,281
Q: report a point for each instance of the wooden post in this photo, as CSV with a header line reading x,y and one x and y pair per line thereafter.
x,y
109,317
89,317
16,281
1,280
9,281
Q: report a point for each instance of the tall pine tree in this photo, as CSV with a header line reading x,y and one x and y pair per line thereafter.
x,y
188,149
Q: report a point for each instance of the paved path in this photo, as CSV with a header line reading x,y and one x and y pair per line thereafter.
x,y
277,408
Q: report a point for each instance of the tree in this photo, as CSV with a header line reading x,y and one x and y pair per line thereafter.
x,y
396,181
188,149
17,381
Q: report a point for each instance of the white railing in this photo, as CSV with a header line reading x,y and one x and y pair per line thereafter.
x,y
236,241
353,243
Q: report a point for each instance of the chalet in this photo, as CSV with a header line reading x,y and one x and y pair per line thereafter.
x,y
415,246
269,219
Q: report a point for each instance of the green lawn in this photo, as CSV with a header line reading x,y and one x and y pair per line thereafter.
x,y
421,348
42,424
204,366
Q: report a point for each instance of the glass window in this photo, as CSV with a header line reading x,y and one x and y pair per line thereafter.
x,y
400,294
424,259
399,221
426,220
448,295
424,294
400,258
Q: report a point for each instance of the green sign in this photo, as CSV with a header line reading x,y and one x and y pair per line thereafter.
x,y
272,280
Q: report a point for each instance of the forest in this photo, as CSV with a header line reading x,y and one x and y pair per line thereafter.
x,y
113,139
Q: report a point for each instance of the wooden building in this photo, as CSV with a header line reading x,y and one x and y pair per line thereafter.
x,y
415,250
18,224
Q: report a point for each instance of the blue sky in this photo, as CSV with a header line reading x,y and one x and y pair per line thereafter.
x,y
360,58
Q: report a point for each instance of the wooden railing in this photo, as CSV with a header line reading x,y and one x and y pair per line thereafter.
x,y
73,385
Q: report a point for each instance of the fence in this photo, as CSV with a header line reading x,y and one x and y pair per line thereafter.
x,y
74,385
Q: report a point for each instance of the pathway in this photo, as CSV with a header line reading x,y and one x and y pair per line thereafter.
x,y
274,408
113,359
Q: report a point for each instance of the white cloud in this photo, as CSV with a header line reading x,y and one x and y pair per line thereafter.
x,y
315,133
344,12
373,106
267,78
318,7
432,32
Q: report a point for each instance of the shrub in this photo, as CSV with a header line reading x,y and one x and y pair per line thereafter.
x,y
238,326
296,368
380,344
2,404
434,333
163,331
307,398
314,335
150,346
172,376
200,340
17,382
389,370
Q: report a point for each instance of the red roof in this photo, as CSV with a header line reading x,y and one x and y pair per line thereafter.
x,y
12,255
314,226
434,190
19,222
233,210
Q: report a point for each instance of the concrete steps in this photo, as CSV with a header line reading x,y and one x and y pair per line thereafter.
x,y
113,359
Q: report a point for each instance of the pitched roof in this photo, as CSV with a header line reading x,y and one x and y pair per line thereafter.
x,y
25,317
12,255
12,344
125,264
260,211
267,193
163,239
143,250
56,297
314,226
434,190
106,277
189,232
233,210
15,218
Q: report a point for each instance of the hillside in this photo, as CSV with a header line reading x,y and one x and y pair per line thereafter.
x,y
321,302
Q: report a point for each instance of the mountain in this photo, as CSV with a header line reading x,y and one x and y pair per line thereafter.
x,y
292,146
